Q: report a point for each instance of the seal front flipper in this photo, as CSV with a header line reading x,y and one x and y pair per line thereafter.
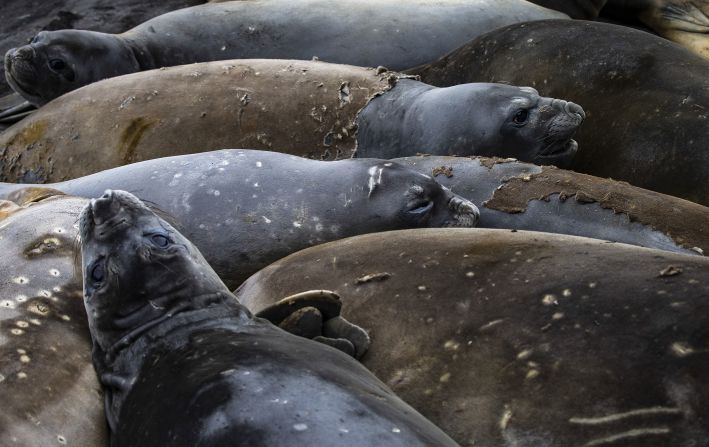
x,y
315,314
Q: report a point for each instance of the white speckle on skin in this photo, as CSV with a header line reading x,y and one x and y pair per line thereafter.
x,y
557,316
21,298
59,230
217,193
22,324
66,318
259,164
54,272
681,349
566,292
445,378
36,322
61,439
2,378
15,331
470,274
44,293
343,430
266,219
300,427
256,185
297,224
20,280
21,375
395,430
549,299
24,358
8,304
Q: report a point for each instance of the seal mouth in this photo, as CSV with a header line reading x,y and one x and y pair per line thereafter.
x,y
556,150
19,67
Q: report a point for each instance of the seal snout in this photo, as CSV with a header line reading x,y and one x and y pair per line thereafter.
x,y
24,53
465,213
573,109
105,207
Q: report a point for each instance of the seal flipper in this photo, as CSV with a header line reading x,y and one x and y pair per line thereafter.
x,y
339,328
341,344
315,314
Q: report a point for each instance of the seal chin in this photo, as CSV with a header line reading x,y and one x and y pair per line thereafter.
x,y
559,155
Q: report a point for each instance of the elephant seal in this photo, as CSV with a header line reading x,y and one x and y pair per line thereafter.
x,y
245,209
657,140
156,307
50,394
512,194
522,338
414,117
683,21
576,9
311,109
387,33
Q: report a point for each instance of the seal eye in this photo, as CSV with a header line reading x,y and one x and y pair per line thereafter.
x,y
421,207
57,64
98,272
160,240
521,116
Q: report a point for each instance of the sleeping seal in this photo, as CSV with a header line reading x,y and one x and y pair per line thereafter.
x,y
183,363
521,338
367,33
245,209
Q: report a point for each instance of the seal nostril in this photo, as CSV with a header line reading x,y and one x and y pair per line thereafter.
x,y
575,109
107,194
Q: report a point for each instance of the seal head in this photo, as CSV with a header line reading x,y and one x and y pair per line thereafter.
x,y
131,286
424,202
486,119
56,62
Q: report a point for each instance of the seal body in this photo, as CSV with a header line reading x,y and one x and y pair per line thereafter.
x,y
478,328
245,209
359,32
683,21
469,119
50,394
156,307
576,9
657,141
523,196
311,109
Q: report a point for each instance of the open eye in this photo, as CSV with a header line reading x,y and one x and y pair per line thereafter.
x,y
57,64
98,272
160,240
521,116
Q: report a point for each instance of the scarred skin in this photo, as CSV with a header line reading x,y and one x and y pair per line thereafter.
x,y
512,194
155,307
310,109
50,394
522,338
657,140
367,33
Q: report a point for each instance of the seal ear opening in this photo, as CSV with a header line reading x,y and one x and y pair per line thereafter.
x,y
164,215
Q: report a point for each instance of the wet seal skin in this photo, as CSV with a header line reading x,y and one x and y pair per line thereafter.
x,y
683,21
469,119
156,307
522,338
523,196
245,209
366,33
50,394
657,140
311,109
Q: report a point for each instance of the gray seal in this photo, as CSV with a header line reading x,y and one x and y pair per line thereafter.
x,y
522,338
522,196
311,109
657,140
367,33
245,209
183,363
469,119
